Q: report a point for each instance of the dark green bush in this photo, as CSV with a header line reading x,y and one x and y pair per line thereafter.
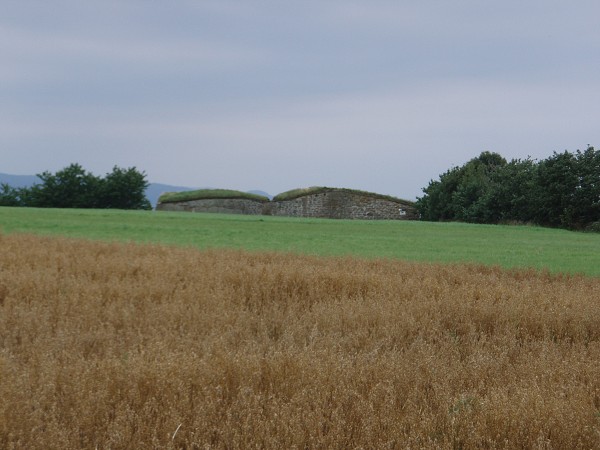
x,y
73,187
560,191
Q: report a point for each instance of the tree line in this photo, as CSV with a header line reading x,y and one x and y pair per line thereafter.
x,y
74,187
560,191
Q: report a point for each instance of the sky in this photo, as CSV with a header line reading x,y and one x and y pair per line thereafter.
x,y
271,95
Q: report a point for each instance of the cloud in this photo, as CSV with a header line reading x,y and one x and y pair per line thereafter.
x,y
416,110
358,140
57,53
206,92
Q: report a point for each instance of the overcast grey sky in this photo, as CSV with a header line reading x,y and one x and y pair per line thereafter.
x,y
375,95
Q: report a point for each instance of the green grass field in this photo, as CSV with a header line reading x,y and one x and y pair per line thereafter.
x,y
506,246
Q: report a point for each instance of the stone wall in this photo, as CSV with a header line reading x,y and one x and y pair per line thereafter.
x,y
342,204
331,204
215,205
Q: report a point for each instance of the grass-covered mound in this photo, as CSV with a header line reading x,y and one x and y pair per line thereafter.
x,y
202,194
302,192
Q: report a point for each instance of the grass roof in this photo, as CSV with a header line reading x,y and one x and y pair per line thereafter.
x,y
204,194
302,192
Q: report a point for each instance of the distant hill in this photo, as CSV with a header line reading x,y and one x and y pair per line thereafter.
x,y
152,193
261,193
18,181
155,189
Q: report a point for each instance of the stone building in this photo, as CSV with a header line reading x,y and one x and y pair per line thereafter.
x,y
319,202
334,203
215,205
221,201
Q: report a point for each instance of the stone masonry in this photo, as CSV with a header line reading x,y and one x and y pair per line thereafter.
x,y
215,205
329,203
342,204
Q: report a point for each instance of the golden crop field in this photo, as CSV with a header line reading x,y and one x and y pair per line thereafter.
x,y
123,346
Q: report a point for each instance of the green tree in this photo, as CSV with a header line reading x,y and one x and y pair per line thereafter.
x,y
512,194
585,205
124,189
71,187
471,197
560,191
9,196
461,192
436,204
556,183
